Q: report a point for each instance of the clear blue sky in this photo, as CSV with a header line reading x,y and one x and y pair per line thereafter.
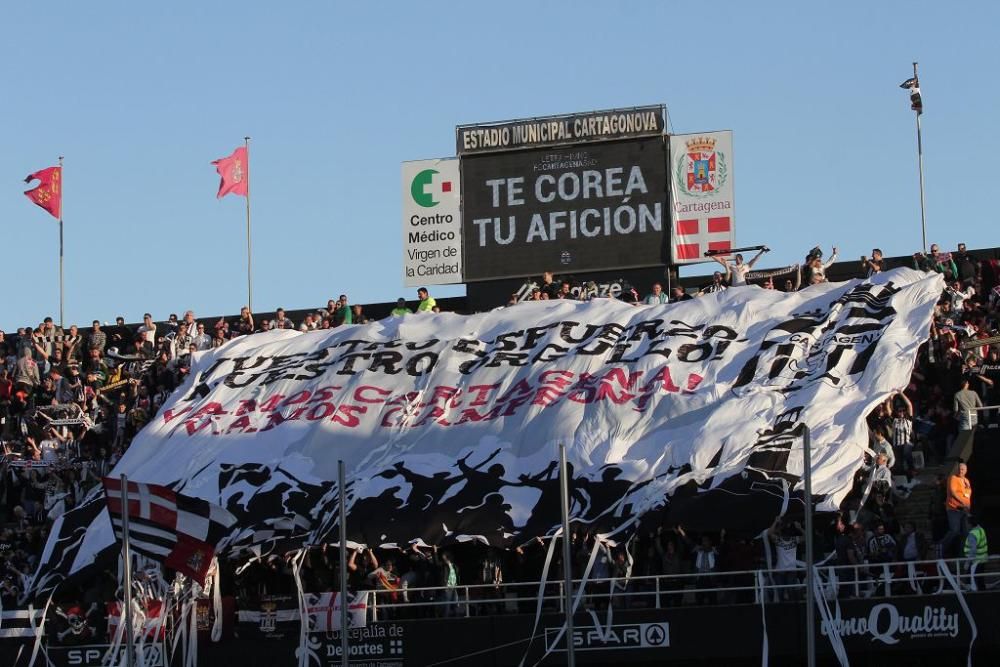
x,y
141,97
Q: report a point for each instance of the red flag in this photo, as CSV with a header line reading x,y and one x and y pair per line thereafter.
x,y
48,192
234,171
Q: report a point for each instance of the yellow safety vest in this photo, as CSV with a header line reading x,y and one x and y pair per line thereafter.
x,y
980,535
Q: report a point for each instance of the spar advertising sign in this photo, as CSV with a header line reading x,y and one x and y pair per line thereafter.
x,y
567,209
701,194
432,223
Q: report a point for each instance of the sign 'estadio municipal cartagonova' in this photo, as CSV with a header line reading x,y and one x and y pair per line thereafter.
x,y
560,130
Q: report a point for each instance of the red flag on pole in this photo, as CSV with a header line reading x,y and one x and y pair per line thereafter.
x,y
48,192
233,170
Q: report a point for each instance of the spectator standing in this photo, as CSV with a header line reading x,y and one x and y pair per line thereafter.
x,y
881,545
786,538
975,542
71,344
308,323
201,340
902,432
678,294
147,330
657,296
96,339
26,374
358,315
965,407
343,313
549,285
913,546
448,579
280,321
427,302
718,284
957,507
959,295
968,267
873,265
400,308
738,270
814,271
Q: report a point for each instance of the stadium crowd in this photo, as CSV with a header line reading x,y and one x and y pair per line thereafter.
x,y
72,400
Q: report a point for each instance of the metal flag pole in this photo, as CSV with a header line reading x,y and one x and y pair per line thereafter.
x,y
127,557
61,192
344,645
810,578
567,556
920,165
246,141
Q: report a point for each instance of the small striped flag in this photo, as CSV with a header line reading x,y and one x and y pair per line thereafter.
x,y
179,531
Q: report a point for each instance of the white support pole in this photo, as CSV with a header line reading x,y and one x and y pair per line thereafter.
x,y
345,655
127,558
810,565
567,556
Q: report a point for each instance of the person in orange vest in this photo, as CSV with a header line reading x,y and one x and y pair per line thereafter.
x,y
958,504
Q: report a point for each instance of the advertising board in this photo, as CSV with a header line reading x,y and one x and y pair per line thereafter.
x,y
432,223
569,209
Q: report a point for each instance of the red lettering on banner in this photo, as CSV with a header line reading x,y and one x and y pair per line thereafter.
x,y
445,394
320,411
246,405
169,414
481,391
378,395
211,408
349,415
521,388
277,419
193,426
324,394
387,417
272,403
241,424
433,415
545,396
300,397
561,379
661,380
473,415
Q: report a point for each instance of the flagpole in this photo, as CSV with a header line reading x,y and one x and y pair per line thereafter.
x,y
246,141
920,162
61,191
127,557
567,556
344,647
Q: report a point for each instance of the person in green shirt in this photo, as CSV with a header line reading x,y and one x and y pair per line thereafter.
x,y
400,308
427,302
342,314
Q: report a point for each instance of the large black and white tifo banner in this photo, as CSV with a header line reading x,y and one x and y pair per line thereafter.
x,y
450,425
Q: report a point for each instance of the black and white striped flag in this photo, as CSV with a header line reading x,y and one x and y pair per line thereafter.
x,y
182,532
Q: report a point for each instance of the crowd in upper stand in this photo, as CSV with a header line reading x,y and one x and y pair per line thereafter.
x,y
71,400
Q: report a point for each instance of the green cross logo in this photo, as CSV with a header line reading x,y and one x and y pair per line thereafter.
x,y
425,191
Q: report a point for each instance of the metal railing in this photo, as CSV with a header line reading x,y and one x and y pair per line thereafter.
x,y
862,580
